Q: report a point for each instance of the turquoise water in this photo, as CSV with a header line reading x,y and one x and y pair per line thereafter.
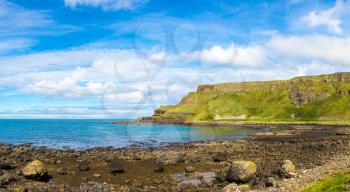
x,y
83,134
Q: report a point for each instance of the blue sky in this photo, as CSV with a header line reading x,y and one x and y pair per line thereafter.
x,y
123,58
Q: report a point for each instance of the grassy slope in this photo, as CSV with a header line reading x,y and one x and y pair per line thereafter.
x,y
338,183
264,105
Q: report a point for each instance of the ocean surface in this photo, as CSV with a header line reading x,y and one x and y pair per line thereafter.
x,y
84,134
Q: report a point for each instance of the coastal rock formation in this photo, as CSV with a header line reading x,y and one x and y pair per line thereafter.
x,y
308,98
35,170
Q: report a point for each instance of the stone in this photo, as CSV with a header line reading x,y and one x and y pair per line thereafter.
x,y
159,168
96,175
189,169
83,166
35,170
342,131
7,165
231,188
241,171
62,171
244,187
6,179
287,169
171,158
271,182
116,166
219,156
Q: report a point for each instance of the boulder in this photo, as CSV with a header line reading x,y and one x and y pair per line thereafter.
x,y
270,182
287,169
83,166
219,156
241,171
35,170
116,166
159,168
189,169
7,165
62,171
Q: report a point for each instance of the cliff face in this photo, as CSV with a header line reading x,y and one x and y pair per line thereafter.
x,y
309,98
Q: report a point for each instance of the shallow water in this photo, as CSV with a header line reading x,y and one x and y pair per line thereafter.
x,y
83,134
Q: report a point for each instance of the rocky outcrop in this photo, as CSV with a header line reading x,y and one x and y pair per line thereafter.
x,y
292,95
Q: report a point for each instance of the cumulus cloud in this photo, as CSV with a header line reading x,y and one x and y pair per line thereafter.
x,y
329,49
251,55
106,4
331,18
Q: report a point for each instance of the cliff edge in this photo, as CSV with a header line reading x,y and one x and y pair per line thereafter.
x,y
301,99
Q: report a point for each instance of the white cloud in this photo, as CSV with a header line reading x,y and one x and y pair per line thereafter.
x,y
18,21
106,4
19,44
330,17
252,55
329,49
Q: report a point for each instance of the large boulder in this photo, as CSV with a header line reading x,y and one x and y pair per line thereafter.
x,y
116,166
287,169
35,170
241,171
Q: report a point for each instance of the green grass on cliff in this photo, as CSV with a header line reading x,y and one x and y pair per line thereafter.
x,y
338,183
264,104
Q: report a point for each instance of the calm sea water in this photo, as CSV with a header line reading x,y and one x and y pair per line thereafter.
x,y
83,134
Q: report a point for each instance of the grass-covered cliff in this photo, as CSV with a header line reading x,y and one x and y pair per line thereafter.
x,y
324,98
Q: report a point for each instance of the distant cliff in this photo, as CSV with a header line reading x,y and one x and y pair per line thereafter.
x,y
301,99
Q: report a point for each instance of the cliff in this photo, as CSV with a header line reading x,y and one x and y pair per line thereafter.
x,y
301,99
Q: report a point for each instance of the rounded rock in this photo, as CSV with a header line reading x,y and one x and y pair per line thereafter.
x,y
241,171
35,170
287,169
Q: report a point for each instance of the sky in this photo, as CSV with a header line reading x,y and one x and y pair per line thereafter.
x,y
123,58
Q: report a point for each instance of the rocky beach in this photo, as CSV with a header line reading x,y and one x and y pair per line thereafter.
x,y
286,158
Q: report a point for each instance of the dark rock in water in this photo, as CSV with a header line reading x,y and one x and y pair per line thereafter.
x,y
83,166
218,157
159,168
62,171
116,166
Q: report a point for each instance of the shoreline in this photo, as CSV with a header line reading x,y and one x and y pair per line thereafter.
x,y
239,123
308,147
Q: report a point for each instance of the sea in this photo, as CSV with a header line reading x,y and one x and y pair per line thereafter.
x,y
91,133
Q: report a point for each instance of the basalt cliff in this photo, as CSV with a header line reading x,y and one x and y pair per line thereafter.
x,y
323,98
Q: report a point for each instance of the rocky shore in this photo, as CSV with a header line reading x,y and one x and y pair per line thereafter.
x,y
285,159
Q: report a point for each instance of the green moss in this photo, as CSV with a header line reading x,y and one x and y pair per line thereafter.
x,y
336,183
